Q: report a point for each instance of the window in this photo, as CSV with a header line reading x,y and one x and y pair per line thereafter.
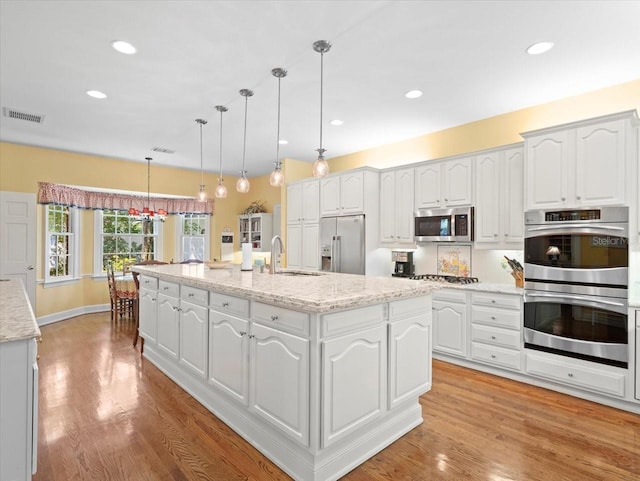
x,y
61,252
122,240
192,237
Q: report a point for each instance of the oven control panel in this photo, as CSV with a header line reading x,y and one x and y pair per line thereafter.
x,y
572,215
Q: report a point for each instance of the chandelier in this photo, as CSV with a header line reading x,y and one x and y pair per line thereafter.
x,y
320,166
147,213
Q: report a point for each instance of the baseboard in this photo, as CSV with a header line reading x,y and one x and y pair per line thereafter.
x,y
78,311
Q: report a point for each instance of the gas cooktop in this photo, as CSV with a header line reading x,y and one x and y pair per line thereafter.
x,y
449,279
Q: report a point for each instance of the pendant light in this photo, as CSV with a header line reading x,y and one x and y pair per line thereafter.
x,y
147,213
320,166
276,179
202,194
221,189
243,185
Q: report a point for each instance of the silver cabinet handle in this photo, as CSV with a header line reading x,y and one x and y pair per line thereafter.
x,y
191,294
30,268
225,304
251,336
166,288
493,337
570,374
242,333
493,356
274,318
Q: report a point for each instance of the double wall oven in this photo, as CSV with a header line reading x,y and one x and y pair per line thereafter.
x,y
576,279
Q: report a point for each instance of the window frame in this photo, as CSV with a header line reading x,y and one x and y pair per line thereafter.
x,y
179,232
98,245
73,250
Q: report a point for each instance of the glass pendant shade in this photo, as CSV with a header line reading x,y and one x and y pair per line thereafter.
x,y
320,168
202,194
276,179
221,190
243,184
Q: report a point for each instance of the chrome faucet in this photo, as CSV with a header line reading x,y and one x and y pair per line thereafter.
x,y
274,255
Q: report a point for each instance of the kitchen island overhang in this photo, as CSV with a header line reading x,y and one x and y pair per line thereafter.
x,y
318,372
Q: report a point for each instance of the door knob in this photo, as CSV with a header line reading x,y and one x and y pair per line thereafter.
x,y
30,268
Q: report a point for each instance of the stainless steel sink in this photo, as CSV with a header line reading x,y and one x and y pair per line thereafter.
x,y
299,273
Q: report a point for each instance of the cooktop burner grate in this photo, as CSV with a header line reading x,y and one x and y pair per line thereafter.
x,y
449,279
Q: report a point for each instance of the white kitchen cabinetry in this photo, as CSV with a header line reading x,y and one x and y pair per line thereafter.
x,y
228,355
303,228
348,193
638,355
279,380
18,409
194,327
582,164
496,329
256,229
396,207
169,318
148,310
450,322
499,206
446,183
353,382
410,343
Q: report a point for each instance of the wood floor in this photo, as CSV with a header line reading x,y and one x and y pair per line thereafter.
x,y
108,414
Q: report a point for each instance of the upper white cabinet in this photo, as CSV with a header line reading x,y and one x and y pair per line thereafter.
x,y
342,194
396,206
303,228
444,184
585,163
499,207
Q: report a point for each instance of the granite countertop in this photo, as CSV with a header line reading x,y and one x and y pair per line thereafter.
x,y
17,321
312,293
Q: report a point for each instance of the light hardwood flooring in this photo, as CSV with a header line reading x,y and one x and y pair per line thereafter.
x,y
108,414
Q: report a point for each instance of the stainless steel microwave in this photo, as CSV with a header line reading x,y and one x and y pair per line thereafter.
x,y
444,225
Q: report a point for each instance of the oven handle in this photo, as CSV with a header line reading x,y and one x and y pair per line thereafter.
x,y
577,298
575,226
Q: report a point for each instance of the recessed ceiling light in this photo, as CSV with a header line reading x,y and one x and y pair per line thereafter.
x,y
123,47
283,142
96,94
413,94
336,122
540,47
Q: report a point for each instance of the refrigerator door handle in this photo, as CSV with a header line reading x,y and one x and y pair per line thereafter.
x,y
337,261
332,266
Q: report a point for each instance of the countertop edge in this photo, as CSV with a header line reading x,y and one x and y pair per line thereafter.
x,y
18,320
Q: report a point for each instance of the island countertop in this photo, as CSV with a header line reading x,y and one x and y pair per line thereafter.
x,y
317,292
17,321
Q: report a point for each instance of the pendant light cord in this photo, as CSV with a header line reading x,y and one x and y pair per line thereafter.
x,y
278,133
221,143
148,181
201,169
244,141
321,95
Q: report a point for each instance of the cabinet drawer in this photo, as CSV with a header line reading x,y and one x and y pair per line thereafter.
x,y
169,288
496,317
195,295
345,321
496,355
277,317
605,380
149,282
416,306
496,336
229,304
450,295
496,300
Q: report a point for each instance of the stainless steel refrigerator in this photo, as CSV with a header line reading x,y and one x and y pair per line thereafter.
x,y
342,246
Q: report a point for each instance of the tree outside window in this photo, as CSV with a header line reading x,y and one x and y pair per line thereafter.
x,y
126,240
194,236
59,242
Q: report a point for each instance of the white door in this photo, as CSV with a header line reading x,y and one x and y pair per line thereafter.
x,y
18,239
387,206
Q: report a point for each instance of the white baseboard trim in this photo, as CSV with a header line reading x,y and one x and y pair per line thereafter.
x,y
78,311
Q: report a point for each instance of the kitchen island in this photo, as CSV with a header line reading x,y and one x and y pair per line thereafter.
x,y
318,371
18,383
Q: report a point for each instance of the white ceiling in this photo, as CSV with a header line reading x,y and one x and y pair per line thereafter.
x,y
467,56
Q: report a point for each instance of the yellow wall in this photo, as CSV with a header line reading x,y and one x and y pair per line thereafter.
x,y
22,167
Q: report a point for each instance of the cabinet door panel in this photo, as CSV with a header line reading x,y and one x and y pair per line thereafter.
x,y
148,315
487,213
404,186
513,205
409,359
352,193
547,158
168,320
311,201
228,356
294,246
193,338
458,182
311,247
450,328
330,196
387,207
353,382
427,186
294,203
279,372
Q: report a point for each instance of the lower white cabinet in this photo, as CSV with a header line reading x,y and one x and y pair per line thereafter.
x,y
409,358
279,380
638,353
450,324
353,382
168,324
193,337
577,373
18,409
148,313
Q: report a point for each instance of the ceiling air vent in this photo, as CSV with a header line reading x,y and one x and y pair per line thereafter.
x,y
16,114
164,151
